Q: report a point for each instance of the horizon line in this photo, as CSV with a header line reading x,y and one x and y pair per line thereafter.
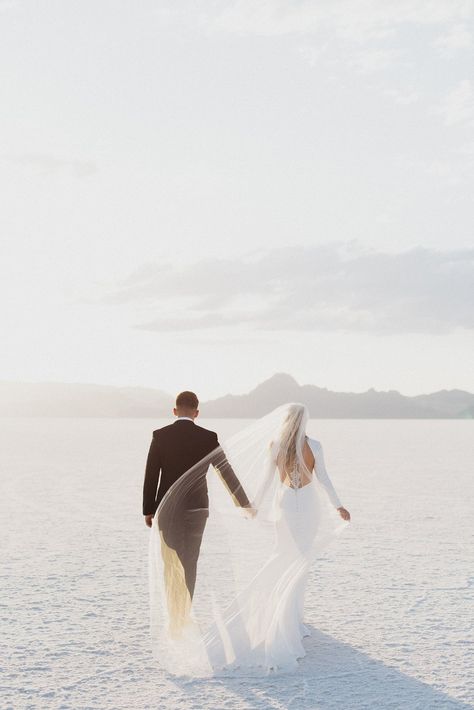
x,y
166,392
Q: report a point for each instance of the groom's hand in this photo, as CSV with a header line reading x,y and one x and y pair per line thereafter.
x,y
149,520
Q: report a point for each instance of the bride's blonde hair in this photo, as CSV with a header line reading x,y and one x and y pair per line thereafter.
x,y
292,437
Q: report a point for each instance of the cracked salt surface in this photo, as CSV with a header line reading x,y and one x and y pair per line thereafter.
x,y
389,605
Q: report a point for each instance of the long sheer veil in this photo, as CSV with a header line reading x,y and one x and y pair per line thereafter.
x,y
231,595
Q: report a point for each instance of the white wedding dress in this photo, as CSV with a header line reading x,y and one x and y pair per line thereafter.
x,y
263,626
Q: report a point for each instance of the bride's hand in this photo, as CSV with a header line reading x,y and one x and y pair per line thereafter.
x,y
344,513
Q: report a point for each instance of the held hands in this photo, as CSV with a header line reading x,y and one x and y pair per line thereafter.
x,y
344,513
249,511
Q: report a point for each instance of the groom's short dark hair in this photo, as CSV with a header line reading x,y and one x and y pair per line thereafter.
x,y
187,400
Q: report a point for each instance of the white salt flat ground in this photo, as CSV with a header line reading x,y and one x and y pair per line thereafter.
x,y
390,604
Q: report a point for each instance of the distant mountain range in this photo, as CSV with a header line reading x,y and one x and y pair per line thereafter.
x,y
52,399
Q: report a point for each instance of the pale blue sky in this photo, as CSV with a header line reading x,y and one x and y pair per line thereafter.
x,y
199,194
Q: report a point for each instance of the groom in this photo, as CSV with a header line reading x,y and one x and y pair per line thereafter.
x,y
174,449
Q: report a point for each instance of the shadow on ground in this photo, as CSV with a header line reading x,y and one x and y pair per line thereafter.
x,y
332,674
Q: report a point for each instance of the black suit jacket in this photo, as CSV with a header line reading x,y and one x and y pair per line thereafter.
x,y
173,450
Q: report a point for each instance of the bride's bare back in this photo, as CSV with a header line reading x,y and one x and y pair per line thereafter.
x,y
304,479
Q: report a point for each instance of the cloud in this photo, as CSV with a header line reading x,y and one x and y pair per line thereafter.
x,y
6,5
330,287
358,20
367,37
449,173
402,98
368,61
49,164
458,105
458,37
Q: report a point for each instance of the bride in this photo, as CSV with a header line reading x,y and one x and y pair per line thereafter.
x,y
247,610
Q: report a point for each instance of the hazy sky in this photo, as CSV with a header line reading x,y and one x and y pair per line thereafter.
x,y
196,195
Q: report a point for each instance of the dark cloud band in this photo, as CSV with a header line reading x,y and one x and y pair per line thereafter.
x,y
304,288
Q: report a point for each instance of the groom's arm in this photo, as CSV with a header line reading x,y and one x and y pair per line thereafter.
x,y
152,474
221,464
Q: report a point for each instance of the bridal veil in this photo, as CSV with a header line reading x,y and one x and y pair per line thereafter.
x,y
244,575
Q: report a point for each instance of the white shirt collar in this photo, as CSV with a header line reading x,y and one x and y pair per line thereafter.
x,y
190,418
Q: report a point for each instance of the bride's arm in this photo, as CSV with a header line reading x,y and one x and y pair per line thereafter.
x,y
322,474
